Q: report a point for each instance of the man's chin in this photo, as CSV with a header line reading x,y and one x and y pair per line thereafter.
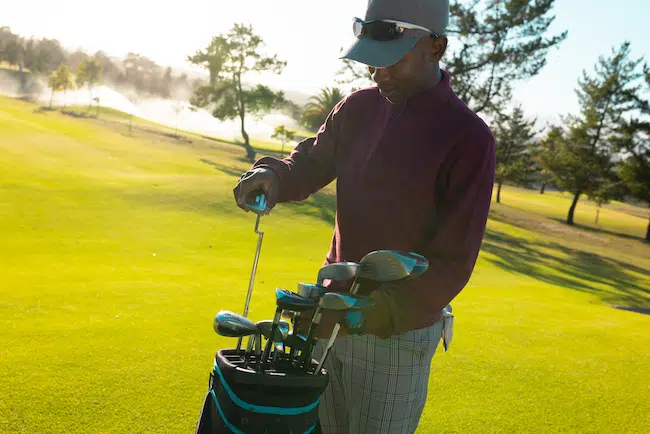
x,y
392,96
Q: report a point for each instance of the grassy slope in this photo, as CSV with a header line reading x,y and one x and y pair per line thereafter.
x,y
100,335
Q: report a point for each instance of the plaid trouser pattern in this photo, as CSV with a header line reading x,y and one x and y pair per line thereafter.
x,y
377,386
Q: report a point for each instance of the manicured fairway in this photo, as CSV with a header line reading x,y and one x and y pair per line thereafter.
x,y
117,251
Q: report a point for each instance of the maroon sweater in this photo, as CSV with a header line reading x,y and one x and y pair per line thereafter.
x,y
416,176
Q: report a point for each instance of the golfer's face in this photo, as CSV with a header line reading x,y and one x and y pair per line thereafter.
x,y
402,80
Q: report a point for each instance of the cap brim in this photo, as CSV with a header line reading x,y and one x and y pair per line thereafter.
x,y
379,54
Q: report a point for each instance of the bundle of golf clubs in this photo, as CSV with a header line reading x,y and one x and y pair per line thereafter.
x,y
274,345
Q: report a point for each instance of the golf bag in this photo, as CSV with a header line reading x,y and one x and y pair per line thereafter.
x,y
244,401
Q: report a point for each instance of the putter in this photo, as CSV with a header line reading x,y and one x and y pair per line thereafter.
x,y
256,202
337,301
381,266
285,300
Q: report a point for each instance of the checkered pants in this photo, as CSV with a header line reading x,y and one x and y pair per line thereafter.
x,y
377,386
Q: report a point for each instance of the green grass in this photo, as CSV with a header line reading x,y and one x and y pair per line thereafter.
x,y
100,335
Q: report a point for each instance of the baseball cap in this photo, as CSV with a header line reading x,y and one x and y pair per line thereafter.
x,y
391,28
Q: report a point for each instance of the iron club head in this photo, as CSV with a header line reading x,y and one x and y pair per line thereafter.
x,y
287,300
345,301
281,332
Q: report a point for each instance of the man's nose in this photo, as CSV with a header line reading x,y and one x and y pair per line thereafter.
x,y
380,75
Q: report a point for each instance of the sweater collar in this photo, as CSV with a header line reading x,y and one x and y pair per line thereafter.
x,y
432,97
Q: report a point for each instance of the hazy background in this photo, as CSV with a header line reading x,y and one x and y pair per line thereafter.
x,y
308,35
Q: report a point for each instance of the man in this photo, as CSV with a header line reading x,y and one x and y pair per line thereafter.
x,y
414,169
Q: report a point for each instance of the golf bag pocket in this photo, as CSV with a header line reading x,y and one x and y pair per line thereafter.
x,y
243,400
447,327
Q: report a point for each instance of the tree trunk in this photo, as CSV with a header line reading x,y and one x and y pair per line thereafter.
x,y
499,193
65,95
647,233
572,210
541,190
90,92
282,151
597,214
51,98
250,152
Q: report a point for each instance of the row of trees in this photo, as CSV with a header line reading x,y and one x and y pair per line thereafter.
x,y
499,44
137,72
603,152
89,73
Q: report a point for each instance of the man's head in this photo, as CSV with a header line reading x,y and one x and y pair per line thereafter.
x,y
402,43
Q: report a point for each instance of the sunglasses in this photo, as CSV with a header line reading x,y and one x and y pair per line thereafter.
x,y
384,30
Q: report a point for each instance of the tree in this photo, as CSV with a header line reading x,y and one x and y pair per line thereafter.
x,y
11,47
284,135
230,58
320,106
59,80
513,134
633,141
547,145
89,72
582,162
494,44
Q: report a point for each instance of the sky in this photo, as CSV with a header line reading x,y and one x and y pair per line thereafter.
x,y
308,35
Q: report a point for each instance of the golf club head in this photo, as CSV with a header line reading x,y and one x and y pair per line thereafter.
x,y
345,301
287,300
310,290
281,332
231,324
389,266
421,264
256,201
338,271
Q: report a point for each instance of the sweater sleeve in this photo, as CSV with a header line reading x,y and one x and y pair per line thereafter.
x,y
464,187
312,164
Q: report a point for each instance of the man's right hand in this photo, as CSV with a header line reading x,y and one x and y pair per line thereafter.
x,y
256,179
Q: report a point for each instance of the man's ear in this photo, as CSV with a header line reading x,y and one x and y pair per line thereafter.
x,y
438,48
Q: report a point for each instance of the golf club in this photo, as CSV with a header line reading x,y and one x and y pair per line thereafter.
x,y
256,202
230,324
336,301
338,271
264,329
285,300
382,266
296,342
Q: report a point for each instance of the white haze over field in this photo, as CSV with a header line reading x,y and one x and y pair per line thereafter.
x,y
174,113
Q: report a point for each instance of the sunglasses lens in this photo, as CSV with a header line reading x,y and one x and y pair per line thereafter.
x,y
377,30
357,28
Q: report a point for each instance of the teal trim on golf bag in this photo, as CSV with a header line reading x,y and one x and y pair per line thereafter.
x,y
262,409
232,427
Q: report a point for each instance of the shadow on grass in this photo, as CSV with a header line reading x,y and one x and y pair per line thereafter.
x,y
612,280
227,169
594,230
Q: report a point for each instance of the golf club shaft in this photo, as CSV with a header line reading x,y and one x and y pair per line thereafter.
x,y
269,342
337,327
253,272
